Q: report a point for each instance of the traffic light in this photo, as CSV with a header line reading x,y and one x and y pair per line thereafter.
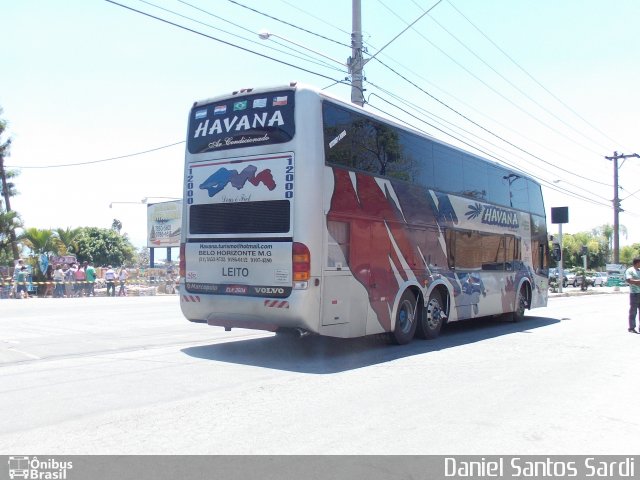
x,y
556,253
584,250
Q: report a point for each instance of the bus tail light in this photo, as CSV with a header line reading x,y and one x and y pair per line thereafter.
x,y
301,265
183,262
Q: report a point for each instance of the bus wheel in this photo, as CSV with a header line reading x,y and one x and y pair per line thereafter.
x,y
406,320
432,318
522,302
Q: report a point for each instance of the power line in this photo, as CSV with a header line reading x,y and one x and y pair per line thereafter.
x,y
531,76
516,87
548,184
494,90
292,5
224,42
479,112
454,126
102,160
288,23
480,126
630,195
308,57
488,154
280,61
409,25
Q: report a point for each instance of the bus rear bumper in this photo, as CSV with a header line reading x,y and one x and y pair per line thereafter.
x,y
299,311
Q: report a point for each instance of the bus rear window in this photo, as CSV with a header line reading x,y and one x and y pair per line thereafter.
x,y
242,217
247,121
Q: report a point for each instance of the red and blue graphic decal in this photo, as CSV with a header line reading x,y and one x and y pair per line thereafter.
x,y
223,177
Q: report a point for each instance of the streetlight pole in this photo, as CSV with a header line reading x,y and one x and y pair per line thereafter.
x,y
616,203
266,35
113,203
146,199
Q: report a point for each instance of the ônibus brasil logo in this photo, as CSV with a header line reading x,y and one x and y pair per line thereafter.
x,y
36,469
223,177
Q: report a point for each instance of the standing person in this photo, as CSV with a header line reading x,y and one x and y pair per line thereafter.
x,y
632,275
80,277
16,271
122,276
110,277
90,274
21,281
48,281
68,279
58,277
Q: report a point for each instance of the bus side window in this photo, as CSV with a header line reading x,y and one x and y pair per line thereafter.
x,y
541,256
450,242
338,244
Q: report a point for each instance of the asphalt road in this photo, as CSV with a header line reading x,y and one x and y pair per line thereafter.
x,y
131,376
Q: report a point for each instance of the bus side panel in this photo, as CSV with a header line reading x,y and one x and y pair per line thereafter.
x,y
384,259
345,301
407,245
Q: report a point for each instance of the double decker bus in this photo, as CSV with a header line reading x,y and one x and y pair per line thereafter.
x,y
303,212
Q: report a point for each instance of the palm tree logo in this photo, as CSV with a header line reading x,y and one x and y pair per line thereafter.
x,y
474,211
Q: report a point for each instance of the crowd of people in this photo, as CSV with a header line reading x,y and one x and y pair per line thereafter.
x,y
74,280
65,277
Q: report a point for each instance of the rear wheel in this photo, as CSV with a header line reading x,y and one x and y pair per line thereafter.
x,y
406,320
433,317
522,302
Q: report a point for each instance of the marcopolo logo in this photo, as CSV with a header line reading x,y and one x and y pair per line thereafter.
x,y
37,469
222,177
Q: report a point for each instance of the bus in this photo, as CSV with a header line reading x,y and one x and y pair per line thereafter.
x,y
306,213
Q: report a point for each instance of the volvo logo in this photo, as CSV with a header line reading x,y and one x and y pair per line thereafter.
x,y
270,290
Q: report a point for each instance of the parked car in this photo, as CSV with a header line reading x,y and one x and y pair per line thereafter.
x,y
572,278
577,276
553,276
599,279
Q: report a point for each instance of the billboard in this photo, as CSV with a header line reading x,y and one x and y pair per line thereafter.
x,y
164,221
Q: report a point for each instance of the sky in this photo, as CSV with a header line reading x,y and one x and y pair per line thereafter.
x,y
549,87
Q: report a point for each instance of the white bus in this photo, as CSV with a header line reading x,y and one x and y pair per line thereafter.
x,y
303,212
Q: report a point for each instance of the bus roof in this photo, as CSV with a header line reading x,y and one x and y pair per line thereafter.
x,y
296,86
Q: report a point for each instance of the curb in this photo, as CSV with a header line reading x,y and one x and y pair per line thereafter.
x,y
591,291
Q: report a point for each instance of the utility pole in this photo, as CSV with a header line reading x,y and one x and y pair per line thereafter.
x,y
616,203
356,62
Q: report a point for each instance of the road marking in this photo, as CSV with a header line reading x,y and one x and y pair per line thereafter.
x,y
27,354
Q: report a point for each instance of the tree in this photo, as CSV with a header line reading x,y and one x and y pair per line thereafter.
x,y
9,222
104,246
370,146
116,225
628,253
39,241
597,249
143,258
606,231
66,240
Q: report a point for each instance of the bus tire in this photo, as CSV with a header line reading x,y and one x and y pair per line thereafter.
x,y
522,302
406,320
432,317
